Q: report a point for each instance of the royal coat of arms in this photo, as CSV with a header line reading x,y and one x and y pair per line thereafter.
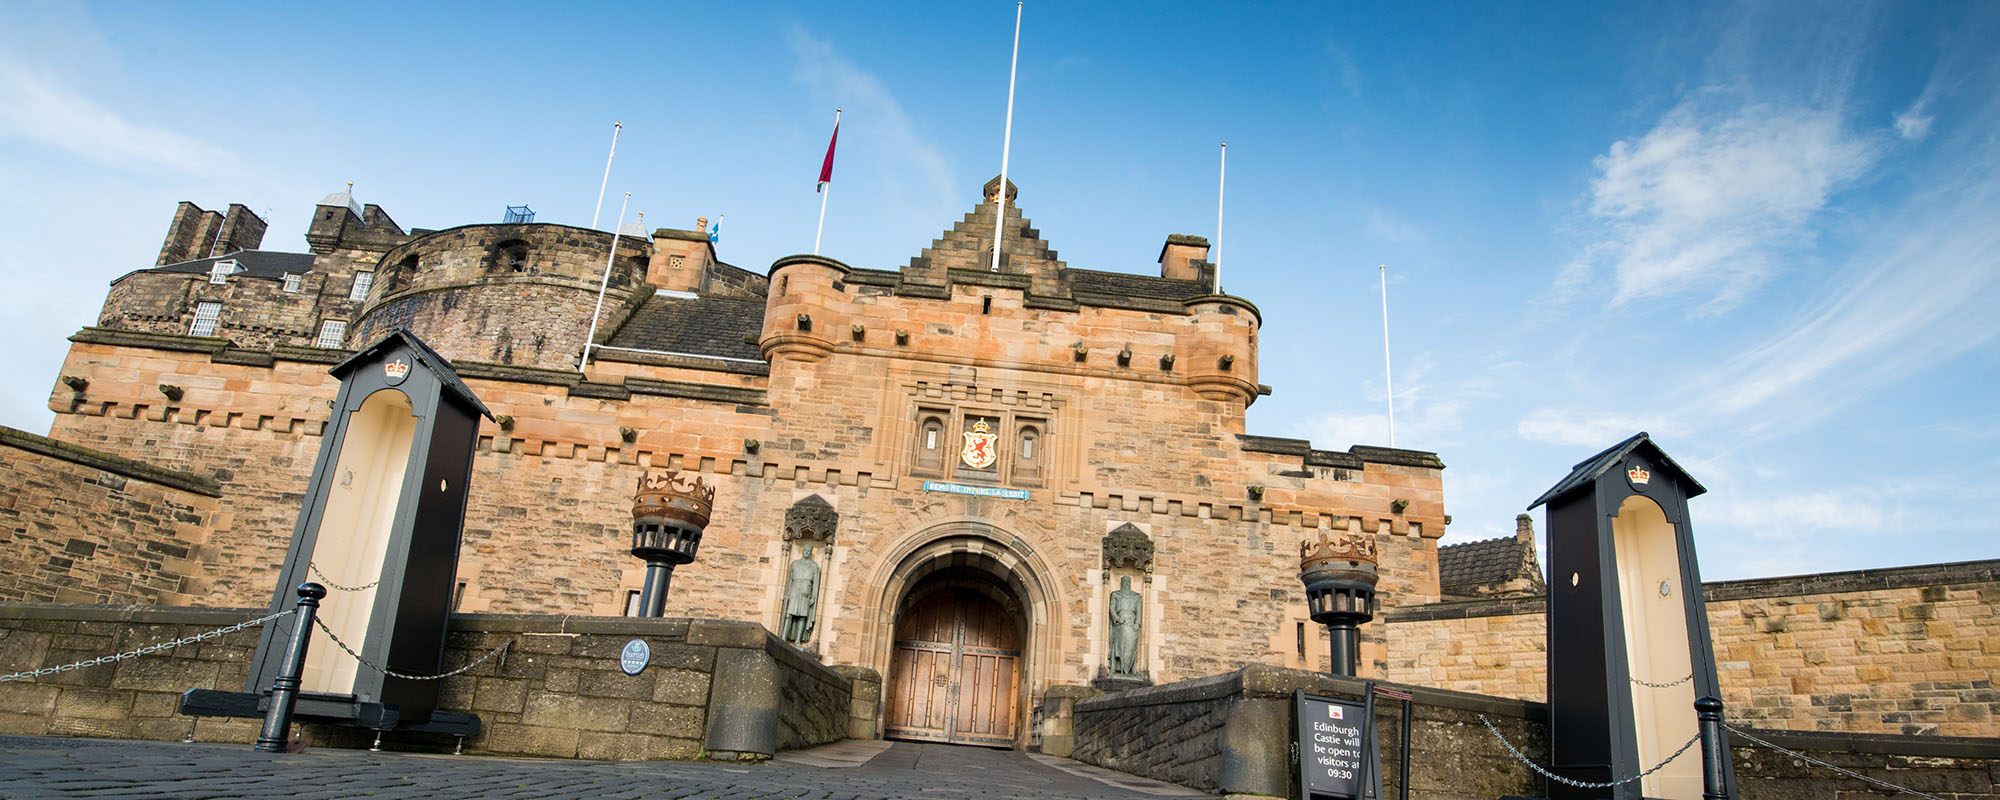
x,y
981,446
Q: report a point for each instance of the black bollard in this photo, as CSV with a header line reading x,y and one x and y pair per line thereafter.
x,y
1709,710
285,690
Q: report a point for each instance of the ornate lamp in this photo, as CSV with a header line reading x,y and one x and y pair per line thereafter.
x,y
668,515
1340,575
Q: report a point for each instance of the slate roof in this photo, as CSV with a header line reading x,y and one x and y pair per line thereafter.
x,y
709,326
1480,563
266,264
1130,285
1591,468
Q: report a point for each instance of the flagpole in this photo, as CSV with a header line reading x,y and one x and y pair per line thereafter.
x,y
1006,143
615,128
590,339
1221,176
1387,381
824,191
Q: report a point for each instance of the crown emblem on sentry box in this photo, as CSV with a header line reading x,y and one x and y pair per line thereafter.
x,y
1638,475
397,369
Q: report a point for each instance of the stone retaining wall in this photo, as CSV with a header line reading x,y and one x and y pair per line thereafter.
x,y
1951,767
714,689
1907,650
1232,734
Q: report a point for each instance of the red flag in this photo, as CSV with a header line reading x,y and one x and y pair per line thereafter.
x,y
826,169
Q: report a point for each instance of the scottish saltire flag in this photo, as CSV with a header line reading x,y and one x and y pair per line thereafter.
x,y
826,168
715,230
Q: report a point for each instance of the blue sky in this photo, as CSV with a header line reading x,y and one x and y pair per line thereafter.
x,y
1769,234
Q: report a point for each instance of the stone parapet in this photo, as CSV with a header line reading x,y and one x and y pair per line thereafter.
x,y
712,688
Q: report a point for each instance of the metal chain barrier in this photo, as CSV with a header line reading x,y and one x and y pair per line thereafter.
x,y
151,648
1818,763
1583,784
394,674
1690,676
330,584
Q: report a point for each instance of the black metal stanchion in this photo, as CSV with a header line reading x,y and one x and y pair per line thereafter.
x,y
1404,756
285,689
1709,710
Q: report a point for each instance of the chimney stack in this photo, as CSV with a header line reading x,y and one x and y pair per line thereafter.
x,y
1184,258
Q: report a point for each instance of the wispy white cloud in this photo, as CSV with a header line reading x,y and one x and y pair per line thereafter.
x,y
39,111
1707,203
1424,421
890,136
1795,516
1912,123
1919,293
1386,226
1588,428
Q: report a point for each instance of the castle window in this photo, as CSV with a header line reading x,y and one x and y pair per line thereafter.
x,y
632,603
292,282
330,333
205,315
513,255
362,280
220,271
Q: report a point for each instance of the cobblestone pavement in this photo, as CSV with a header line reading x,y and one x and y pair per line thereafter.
x,y
43,767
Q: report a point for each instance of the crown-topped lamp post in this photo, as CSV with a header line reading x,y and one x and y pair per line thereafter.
x,y
1340,576
669,513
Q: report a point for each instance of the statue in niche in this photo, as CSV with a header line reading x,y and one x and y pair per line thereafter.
x,y
801,598
1124,628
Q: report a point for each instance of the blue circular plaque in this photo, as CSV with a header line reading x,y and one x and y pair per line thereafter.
x,y
634,657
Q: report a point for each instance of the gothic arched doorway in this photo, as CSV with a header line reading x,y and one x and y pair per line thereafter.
x,y
955,663
961,634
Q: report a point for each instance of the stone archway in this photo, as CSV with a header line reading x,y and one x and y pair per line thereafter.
x,y
962,635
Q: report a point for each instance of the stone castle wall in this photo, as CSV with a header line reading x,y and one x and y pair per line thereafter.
x,y
548,532
1908,650
256,313
82,526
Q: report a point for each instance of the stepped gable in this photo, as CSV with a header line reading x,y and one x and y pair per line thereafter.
x,y
709,326
968,246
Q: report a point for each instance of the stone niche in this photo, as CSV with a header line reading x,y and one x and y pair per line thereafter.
x,y
810,522
1128,555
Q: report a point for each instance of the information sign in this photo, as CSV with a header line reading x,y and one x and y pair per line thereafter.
x,y
1335,741
634,657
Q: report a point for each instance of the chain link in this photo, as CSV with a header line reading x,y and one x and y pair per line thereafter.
x,y
1583,784
1818,763
1690,676
151,648
330,584
394,674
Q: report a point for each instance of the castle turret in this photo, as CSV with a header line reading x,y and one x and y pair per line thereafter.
x,y
801,317
519,294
